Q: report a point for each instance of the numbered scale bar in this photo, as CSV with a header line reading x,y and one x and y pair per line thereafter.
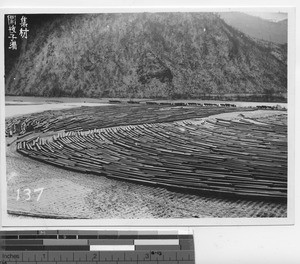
x,y
51,246
94,240
91,257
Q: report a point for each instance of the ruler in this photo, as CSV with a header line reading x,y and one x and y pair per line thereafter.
x,y
90,247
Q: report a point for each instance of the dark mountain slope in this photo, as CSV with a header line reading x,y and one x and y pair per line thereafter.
x,y
160,55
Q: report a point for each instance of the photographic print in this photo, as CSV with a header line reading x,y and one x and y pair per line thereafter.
x,y
147,115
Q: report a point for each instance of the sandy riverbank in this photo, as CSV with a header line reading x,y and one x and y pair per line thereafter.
x,y
17,109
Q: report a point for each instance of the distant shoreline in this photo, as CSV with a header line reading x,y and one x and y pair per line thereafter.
x,y
18,100
23,108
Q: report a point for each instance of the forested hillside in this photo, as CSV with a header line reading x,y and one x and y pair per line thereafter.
x,y
145,55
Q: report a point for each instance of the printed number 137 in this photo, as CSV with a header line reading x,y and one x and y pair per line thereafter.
x,y
27,192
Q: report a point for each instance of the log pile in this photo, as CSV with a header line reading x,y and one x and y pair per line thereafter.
x,y
86,118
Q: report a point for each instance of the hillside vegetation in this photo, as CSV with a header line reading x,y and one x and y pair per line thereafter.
x,y
145,55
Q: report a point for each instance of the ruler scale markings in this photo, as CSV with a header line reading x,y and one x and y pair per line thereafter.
x,y
27,256
131,256
118,256
66,256
54,256
169,255
168,262
41,256
186,244
184,255
108,262
156,256
92,256
80,256
165,262
44,262
106,256
91,247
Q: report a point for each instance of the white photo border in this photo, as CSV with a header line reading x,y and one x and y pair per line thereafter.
x,y
289,220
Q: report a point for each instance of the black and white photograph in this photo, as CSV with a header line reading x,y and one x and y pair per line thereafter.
x,y
147,115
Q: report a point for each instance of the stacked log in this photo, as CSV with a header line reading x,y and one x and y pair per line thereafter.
x,y
236,158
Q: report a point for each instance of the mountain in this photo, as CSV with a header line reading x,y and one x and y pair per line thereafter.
x,y
257,27
143,55
271,16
